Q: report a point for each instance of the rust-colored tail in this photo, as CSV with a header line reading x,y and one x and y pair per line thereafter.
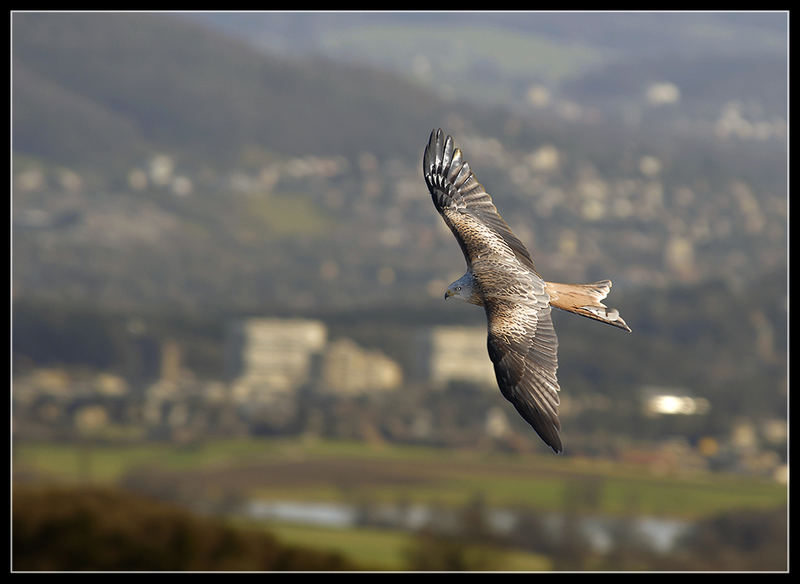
x,y
584,299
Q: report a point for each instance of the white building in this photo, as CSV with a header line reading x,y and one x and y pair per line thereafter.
x,y
454,354
269,356
348,369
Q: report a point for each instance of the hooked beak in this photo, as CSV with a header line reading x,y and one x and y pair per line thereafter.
x,y
448,294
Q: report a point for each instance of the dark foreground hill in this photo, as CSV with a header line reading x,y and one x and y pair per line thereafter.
x,y
98,529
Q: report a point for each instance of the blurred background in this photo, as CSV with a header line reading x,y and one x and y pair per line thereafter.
x,y
229,345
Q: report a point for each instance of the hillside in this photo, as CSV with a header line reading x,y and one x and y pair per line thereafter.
x,y
148,147
98,88
495,57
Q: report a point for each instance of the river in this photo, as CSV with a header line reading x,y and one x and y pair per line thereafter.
x,y
658,533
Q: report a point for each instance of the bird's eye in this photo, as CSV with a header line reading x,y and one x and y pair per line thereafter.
x,y
458,288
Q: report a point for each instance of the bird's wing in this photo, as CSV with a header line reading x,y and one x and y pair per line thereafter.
x,y
524,349
464,204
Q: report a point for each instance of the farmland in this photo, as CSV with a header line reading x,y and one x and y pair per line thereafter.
x,y
341,471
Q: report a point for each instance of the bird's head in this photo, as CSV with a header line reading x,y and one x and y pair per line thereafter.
x,y
452,290
463,289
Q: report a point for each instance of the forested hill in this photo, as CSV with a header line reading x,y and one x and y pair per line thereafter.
x,y
92,89
148,148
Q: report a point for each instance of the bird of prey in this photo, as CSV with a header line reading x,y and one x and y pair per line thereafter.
x,y
501,277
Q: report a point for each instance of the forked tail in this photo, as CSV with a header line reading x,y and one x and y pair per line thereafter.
x,y
584,299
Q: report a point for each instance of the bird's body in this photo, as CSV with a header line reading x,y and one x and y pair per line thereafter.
x,y
502,278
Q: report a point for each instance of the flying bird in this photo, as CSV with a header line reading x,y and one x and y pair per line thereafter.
x,y
501,278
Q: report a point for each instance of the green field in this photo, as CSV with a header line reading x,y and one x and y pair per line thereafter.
x,y
382,549
320,470
515,52
506,55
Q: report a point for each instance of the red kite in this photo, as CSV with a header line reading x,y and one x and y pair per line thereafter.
x,y
501,277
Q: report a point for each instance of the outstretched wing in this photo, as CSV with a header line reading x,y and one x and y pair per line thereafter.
x,y
464,204
523,347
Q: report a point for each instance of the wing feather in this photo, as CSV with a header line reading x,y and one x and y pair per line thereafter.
x,y
455,189
523,346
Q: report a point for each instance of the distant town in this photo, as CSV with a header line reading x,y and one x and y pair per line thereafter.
x,y
661,226
276,368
